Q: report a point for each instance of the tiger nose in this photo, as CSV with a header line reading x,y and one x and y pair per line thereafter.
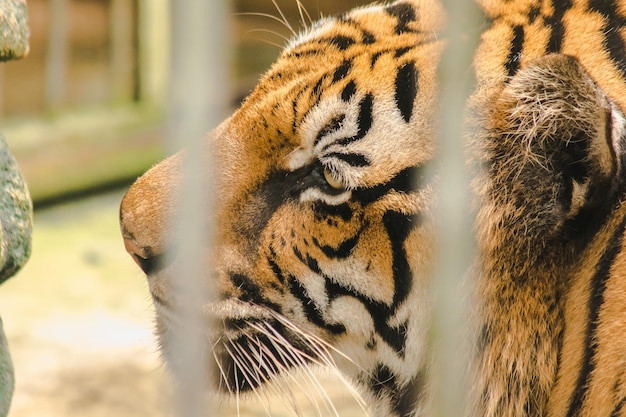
x,y
145,212
149,262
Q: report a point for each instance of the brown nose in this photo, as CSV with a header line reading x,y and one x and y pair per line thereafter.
x,y
145,212
149,262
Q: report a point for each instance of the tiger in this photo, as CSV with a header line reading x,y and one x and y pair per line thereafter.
x,y
547,143
323,249
325,245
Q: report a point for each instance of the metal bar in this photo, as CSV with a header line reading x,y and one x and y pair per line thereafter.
x,y
455,236
198,85
56,62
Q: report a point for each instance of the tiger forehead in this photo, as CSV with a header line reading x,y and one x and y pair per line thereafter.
x,y
365,47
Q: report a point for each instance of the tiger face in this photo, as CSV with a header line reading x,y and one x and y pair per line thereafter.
x,y
324,243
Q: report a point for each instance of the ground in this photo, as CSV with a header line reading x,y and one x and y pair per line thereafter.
x,y
79,322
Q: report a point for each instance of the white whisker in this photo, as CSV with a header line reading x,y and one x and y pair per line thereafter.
x,y
237,363
303,11
279,46
224,378
285,21
267,15
288,355
322,349
299,359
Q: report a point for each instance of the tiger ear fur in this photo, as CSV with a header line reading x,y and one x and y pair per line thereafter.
x,y
555,136
550,173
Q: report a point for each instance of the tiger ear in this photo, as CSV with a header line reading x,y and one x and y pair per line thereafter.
x,y
560,134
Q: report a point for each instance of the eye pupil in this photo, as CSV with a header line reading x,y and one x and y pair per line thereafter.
x,y
332,180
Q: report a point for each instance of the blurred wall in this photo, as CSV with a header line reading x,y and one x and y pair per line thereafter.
x,y
85,110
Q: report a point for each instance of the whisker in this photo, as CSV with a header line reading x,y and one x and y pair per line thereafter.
x,y
279,46
258,376
283,37
224,378
293,32
237,390
303,11
309,336
322,349
298,359
266,15
288,355
237,363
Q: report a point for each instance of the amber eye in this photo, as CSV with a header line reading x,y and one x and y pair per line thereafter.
x,y
332,180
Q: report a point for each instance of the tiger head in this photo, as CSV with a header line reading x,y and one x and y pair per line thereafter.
x,y
324,243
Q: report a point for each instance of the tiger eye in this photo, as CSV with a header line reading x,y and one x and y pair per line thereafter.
x,y
332,180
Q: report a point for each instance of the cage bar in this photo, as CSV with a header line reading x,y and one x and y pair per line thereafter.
x,y
454,222
198,86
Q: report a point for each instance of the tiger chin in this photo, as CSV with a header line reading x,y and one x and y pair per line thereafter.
x,y
323,248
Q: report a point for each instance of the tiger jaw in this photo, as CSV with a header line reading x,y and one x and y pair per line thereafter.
x,y
248,348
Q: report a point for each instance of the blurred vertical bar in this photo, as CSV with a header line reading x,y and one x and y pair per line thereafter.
x,y
198,96
2,91
121,49
56,60
153,44
455,238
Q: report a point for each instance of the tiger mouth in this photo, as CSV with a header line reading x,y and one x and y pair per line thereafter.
x,y
250,344
253,351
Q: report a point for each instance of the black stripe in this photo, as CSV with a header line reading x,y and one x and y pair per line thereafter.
x,y
332,126
613,41
408,398
341,42
406,181
594,305
343,250
406,90
364,121
383,382
317,88
250,292
294,105
380,313
348,91
374,58
367,37
311,310
308,52
342,71
401,51
398,226
353,159
405,14
365,117
323,210
556,23
404,397
515,52
617,411
278,273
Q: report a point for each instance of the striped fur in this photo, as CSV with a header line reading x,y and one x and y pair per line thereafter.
x,y
324,242
550,141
